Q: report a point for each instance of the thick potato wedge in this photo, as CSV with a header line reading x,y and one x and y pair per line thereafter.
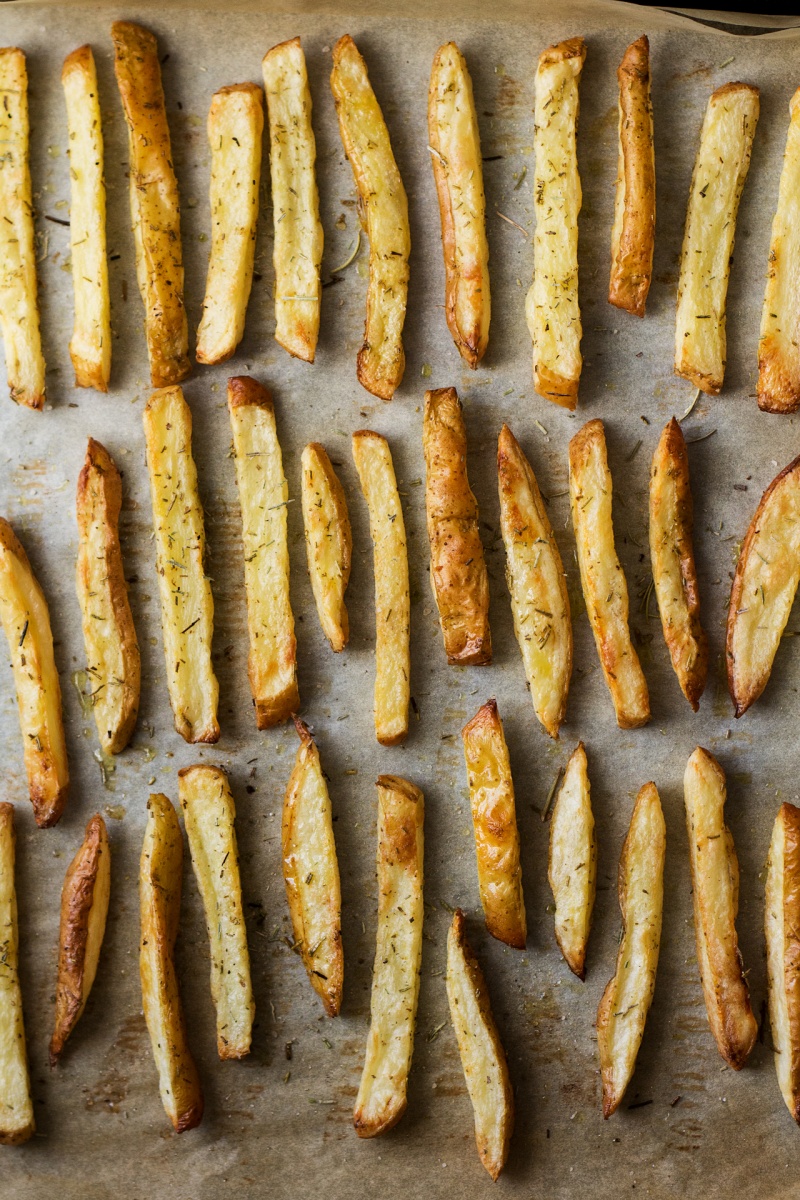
x,y
551,307
112,651
482,1054
16,1107
299,238
720,170
90,347
634,232
160,880
381,1099
187,606
572,866
264,495
455,146
494,818
26,621
782,928
381,360
626,1001
329,542
672,559
155,205
19,309
235,128
311,874
373,460
209,814
602,579
715,893
764,587
84,908
458,570
537,584
779,343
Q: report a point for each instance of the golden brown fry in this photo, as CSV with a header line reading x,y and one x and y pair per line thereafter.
x,y
16,1107
782,928
329,542
572,867
633,235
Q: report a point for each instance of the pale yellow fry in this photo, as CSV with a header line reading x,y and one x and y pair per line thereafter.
x,y
329,542
779,342
16,1107
782,928
572,867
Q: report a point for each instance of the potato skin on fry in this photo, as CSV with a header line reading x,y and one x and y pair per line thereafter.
x,y
329,542
17,1123
779,340
782,928
633,236
572,864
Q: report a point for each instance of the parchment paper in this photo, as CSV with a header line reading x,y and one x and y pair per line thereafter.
x,y
279,1124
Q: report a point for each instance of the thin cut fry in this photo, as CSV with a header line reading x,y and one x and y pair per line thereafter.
x,y
329,542
633,235
572,869
782,928
779,343
16,1107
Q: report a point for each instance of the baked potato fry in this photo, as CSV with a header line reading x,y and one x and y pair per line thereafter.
x,y
715,894
782,928
209,814
458,570
626,1001
482,1054
720,171
494,818
384,207
112,651
633,234
551,307
299,238
264,495
19,309
373,460
155,205
536,583
672,559
235,128
602,579
84,908
187,606
160,881
381,1099
572,866
311,874
764,587
26,621
455,147
329,542
16,1107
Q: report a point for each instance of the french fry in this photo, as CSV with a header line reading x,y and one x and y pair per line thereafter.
x,y
19,309
264,495
26,621
633,235
537,584
572,866
454,143
672,559
779,342
602,579
209,814
381,360
160,881
482,1054
329,542
494,818
782,928
235,127
381,1099
311,874
764,587
299,238
16,1107
715,894
720,171
112,651
458,570
551,307
90,347
155,205
373,461
187,606
84,908
626,1001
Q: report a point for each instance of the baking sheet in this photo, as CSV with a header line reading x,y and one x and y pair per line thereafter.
x,y
279,1124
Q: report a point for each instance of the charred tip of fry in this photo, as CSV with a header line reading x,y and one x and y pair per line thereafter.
x,y
574,47
303,732
243,390
189,1119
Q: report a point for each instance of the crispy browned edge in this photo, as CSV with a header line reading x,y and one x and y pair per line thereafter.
x,y
790,816
22,1135
632,270
339,500
741,703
